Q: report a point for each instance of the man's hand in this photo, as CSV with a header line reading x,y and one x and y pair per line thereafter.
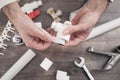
x,y
85,20
32,36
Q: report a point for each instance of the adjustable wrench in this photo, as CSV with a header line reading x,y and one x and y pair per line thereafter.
x,y
82,65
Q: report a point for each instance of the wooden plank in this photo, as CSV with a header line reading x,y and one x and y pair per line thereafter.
x,y
63,57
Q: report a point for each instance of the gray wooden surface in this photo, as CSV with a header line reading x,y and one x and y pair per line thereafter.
x,y
63,57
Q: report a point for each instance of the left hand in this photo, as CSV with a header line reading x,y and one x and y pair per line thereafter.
x,y
31,35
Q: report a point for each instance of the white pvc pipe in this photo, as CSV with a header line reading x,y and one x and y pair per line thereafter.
x,y
19,65
104,28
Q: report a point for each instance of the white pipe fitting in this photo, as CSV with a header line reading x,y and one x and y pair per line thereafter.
x,y
59,28
62,75
29,7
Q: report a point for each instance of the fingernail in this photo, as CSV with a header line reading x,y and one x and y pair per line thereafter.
x,y
51,39
66,32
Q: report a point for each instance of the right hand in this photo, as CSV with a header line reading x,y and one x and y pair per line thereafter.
x,y
85,20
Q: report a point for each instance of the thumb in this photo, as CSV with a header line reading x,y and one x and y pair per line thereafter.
x,y
45,36
71,29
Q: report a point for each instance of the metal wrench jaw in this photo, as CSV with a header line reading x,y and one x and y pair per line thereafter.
x,y
115,58
92,50
81,64
112,62
117,50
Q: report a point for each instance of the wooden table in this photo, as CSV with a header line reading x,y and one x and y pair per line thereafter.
x,y
63,57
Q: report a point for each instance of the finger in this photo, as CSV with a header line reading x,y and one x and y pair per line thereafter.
x,y
51,31
73,42
77,18
78,15
71,29
46,45
39,45
43,46
42,35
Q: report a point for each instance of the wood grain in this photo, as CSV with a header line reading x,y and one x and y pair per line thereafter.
x,y
63,57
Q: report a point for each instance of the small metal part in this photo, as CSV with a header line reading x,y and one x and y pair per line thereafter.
x,y
59,13
55,14
118,49
82,65
91,49
17,40
115,58
111,0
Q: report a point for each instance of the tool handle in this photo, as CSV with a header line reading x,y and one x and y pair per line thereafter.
x,y
105,53
112,62
88,73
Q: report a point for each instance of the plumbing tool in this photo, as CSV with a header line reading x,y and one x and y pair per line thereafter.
x,y
115,57
82,65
